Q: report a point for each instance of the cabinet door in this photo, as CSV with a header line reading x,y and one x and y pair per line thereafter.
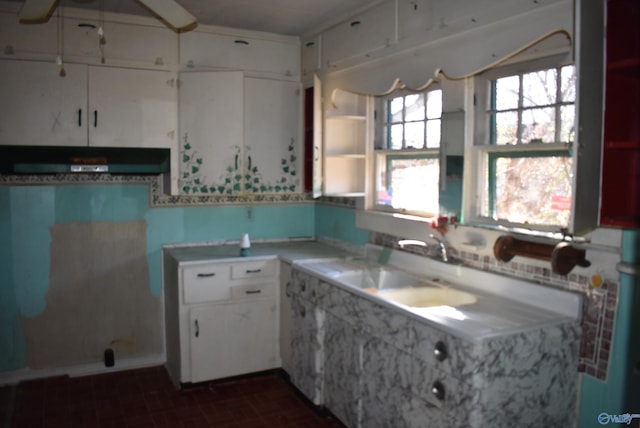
x,y
211,132
240,53
371,30
272,136
41,108
232,339
342,370
131,108
307,357
285,316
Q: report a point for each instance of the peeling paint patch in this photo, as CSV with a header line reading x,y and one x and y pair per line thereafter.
x,y
99,297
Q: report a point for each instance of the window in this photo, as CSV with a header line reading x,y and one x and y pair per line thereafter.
x,y
525,160
407,156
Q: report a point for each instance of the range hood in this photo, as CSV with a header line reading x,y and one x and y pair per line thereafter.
x,y
62,159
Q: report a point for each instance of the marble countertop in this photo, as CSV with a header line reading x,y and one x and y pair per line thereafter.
x,y
288,251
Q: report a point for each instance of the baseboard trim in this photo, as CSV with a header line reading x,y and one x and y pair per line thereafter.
x,y
17,376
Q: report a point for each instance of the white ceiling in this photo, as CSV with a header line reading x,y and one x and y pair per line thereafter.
x,y
291,17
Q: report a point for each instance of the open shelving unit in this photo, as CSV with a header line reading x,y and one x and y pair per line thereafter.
x,y
347,136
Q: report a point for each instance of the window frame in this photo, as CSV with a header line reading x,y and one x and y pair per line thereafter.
x,y
384,155
481,150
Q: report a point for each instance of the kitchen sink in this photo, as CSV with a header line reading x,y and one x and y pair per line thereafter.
x,y
406,289
378,278
424,297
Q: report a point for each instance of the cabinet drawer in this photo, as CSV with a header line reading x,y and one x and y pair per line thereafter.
x,y
258,268
251,291
205,283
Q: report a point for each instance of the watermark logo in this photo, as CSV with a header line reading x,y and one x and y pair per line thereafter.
x,y
625,418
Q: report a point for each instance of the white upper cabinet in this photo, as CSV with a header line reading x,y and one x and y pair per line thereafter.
x,y
131,108
125,43
278,56
211,142
310,58
96,106
39,107
272,136
370,31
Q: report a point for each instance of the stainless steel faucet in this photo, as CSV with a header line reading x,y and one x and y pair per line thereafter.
x,y
444,247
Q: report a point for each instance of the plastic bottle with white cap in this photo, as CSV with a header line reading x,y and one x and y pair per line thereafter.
x,y
245,244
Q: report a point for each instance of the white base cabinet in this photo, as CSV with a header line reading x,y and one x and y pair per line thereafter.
x,y
221,318
231,339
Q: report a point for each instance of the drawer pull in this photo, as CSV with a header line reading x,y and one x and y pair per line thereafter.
x,y
197,328
253,291
206,275
253,270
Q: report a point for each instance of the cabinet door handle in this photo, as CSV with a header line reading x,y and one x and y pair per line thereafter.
x,y
249,165
79,117
440,351
253,291
253,270
437,389
197,328
206,275
95,118
236,162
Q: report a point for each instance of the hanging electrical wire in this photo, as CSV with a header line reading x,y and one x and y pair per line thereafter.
x,y
101,40
60,58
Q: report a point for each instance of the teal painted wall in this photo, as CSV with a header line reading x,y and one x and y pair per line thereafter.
x,y
338,223
27,213
620,394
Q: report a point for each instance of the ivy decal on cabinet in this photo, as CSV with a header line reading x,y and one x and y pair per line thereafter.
x,y
235,181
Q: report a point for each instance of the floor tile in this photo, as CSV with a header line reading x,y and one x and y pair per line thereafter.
x,y
147,398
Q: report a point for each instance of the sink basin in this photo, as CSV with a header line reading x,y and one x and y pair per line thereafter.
x,y
423,297
379,278
406,289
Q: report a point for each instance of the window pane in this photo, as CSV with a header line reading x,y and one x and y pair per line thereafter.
x,y
434,104
567,123
533,190
433,133
396,137
506,128
395,109
414,105
538,125
410,184
539,88
414,135
507,90
568,83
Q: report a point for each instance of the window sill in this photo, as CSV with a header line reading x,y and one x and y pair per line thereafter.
x,y
401,225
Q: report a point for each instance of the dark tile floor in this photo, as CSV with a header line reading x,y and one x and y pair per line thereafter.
x,y
147,398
